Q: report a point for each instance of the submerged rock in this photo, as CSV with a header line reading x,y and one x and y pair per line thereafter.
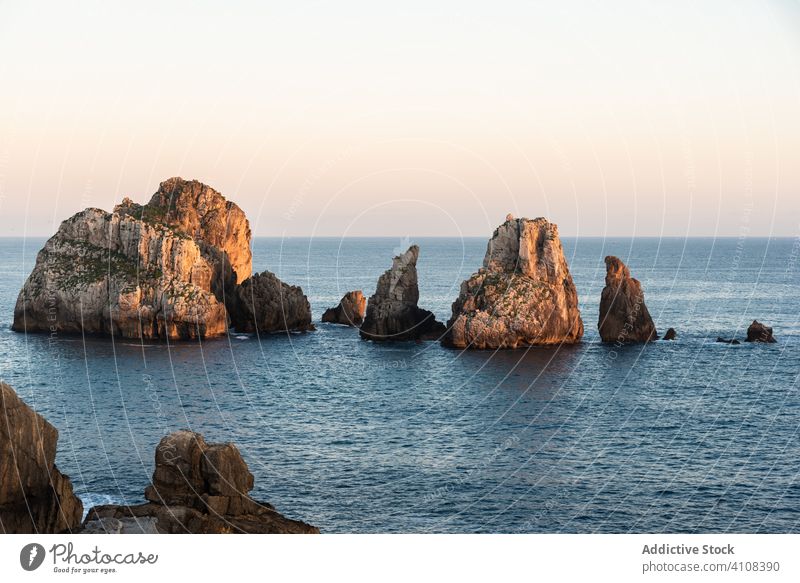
x,y
758,332
522,296
264,304
350,311
35,497
623,314
727,340
392,311
197,487
671,334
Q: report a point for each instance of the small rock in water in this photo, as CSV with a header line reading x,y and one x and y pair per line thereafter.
x,y
350,310
758,332
727,340
671,334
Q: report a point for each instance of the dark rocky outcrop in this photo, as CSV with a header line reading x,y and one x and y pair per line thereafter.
x,y
522,296
34,496
727,340
169,269
350,311
264,304
623,314
670,334
197,487
758,332
392,311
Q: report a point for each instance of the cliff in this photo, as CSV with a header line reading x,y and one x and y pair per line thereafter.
x,y
35,497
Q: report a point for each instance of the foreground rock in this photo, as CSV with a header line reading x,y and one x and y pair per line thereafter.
x,y
522,296
163,270
350,311
34,496
264,304
392,311
623,314
197,487
758,332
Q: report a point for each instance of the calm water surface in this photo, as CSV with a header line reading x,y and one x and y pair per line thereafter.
x,y
356,437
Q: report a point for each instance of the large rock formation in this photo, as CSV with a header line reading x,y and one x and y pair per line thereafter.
x,y
392,311
202,213
350,311
34,496
197,487
623,314
263,303
163,270
522,296
758,332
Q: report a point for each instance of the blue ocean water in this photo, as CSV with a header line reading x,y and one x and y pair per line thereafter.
x,y
684,436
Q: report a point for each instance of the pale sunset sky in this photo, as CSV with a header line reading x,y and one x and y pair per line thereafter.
x,y
409,118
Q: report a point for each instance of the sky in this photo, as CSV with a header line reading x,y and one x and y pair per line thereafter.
x,y
413,118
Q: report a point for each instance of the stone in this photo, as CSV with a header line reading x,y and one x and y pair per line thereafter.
x,y
149,271
727,340
197,487
194,209
35,497
758,332
522,296
264,304
624,317
350,311
392,311
176,268
670,334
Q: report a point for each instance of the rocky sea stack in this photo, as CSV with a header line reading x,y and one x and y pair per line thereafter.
x,y
758,332
522,296
263,303
197,487
350,311
392,311
623,315
169,269
34,496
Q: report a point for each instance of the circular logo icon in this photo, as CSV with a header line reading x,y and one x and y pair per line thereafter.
x,y
31,556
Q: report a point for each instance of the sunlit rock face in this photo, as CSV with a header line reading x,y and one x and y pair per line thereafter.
x,y
522,296
349,312
170,269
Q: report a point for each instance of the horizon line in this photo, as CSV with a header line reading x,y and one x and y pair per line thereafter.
x,y
482,237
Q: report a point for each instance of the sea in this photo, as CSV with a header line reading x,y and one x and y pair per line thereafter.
x,y
357,437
